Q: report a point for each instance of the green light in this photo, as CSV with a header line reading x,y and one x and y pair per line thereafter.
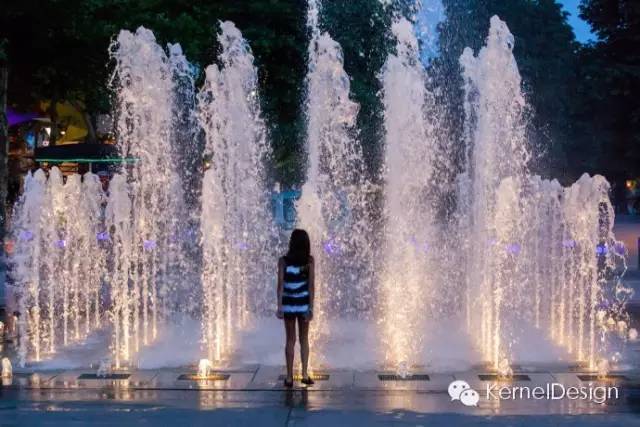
x,y
80,160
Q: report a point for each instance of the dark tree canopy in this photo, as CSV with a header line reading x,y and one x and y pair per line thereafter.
x,y
585,108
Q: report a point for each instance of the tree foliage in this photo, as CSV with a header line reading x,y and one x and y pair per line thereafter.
x,y
585,109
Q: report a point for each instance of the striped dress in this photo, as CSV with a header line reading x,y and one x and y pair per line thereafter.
x,y
295,293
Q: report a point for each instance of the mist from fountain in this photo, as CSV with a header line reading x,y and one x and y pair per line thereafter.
x,y
239,235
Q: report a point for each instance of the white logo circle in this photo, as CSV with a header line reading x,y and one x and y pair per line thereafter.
x,y
456,388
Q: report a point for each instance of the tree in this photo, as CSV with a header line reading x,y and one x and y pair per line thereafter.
x,y
58,50
545,49
361,27
4,145
613,64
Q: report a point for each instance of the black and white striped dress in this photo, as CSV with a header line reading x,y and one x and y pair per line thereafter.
x,y
295,295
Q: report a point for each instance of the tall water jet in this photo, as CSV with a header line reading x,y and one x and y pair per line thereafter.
x,y
238,233
538,254
334,207
411,232
26,261
119,228
497,161
144,93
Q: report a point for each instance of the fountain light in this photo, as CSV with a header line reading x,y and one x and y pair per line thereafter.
x,y
149,245
403,369
7,370
25,235
603,367
102,236
602,249
60,243
331,247
513,248
504,369
622,328
204,368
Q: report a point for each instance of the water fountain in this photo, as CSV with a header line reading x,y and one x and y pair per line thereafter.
x,y
333,207
7,370
536,250
55,226
412,230
535,254
239,238
143,80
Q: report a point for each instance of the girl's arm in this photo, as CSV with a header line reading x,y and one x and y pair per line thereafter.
x,y
280,286
312,286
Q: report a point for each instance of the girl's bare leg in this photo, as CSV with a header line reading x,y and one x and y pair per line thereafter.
x,y
290,330
303,331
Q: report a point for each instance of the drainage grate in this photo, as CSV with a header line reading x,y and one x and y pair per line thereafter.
x,y
396,377
298,377
596,377
210,377
104,377
496,377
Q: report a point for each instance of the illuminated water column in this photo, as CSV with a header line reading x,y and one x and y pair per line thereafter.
x,y
497,161
411,151
333,207
236,223
144,88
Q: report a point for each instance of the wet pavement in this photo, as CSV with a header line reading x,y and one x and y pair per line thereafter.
x,y
253,395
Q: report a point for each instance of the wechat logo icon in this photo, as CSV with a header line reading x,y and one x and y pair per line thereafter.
x,y
460,390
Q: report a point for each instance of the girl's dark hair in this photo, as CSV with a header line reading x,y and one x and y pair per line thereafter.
x,y
299,247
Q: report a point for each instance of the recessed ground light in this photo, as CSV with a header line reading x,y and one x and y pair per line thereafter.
x,y
396,377
496,377
210,377
104,377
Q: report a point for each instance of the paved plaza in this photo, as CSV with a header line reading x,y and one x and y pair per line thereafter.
x,y
253,395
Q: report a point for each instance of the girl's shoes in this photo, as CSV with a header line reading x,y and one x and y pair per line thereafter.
x,y
288,383
307,381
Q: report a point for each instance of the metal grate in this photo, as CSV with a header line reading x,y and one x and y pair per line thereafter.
x,y
210,377
298,377
396,377
596,377
496,377
104,377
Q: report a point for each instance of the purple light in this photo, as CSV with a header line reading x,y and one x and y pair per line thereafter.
x,y
620,249
513,248
25,235
149,245
103,235
569,243
602,249
331,247
61,244
243,246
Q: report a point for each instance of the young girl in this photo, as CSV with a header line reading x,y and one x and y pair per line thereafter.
x,y
295,300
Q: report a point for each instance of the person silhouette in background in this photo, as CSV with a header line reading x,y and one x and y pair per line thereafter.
x,y
296,289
